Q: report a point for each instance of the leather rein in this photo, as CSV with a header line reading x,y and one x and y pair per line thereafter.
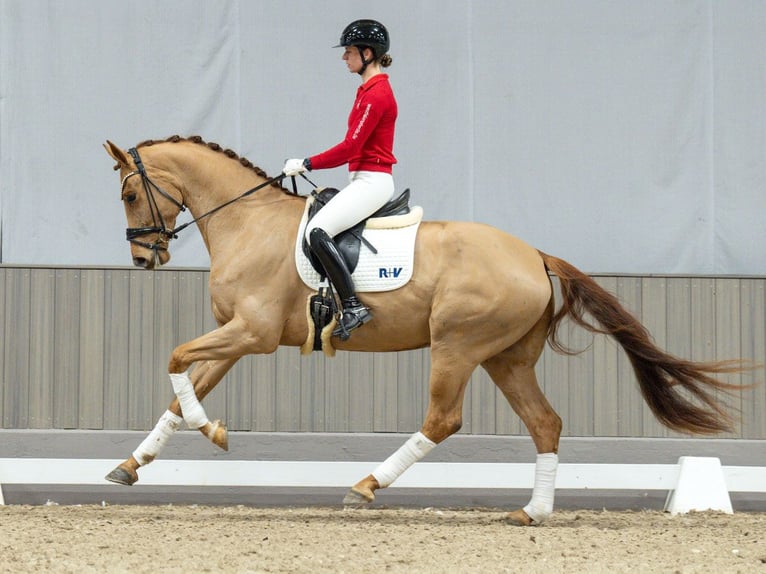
x,y
164,233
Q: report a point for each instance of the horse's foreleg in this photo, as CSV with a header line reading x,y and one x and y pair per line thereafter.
x,y
519,385
188,397
443,418
363,492
227,344
205,376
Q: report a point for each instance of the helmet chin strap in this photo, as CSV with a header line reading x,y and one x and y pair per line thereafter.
x,y
365,63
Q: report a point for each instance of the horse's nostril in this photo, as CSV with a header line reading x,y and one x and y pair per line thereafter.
x,y
141,262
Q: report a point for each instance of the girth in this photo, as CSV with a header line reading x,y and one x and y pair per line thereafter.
x,y
349,241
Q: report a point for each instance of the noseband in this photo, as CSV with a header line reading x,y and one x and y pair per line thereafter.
x,y
164,234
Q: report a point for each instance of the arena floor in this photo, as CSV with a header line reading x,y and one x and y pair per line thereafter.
x,y
184,539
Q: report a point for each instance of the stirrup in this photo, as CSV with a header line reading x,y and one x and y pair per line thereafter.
x,y
351,318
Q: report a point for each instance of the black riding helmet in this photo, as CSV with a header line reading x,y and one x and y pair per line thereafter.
x,y
366,34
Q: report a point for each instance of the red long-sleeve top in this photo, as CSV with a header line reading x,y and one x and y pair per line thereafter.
x,y
369,142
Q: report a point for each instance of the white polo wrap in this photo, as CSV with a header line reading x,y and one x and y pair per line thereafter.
x,y
541,505
148,450
192,410
416,447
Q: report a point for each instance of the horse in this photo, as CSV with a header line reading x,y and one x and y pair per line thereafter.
x,y
477,297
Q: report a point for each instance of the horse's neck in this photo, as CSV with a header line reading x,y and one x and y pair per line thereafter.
x,y
213,180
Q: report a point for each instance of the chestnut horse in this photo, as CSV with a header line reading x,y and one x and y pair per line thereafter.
x,y
478,296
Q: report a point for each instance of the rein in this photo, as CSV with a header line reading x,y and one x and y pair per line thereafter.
x,y
164,234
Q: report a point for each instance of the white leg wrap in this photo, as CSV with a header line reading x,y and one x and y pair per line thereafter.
x,y
148,450
541,505
192,410
416,447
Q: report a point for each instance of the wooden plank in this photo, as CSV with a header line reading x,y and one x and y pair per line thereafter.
x,y
654,317
727,333
15,393
42,371
265,392
91,360
286,384
753,337
678,341
361,391
631,403
67,349
385,389
481,396
605,377
703,319
336,398
413,394
580,383
116,355
142,366
312,389
678,323
4,380
238,390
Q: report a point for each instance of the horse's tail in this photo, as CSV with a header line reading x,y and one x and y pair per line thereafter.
x,y
660,375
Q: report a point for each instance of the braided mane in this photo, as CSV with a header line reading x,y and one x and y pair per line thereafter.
x,y
215,147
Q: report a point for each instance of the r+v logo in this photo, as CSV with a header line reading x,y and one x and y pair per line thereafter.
x,y
390,273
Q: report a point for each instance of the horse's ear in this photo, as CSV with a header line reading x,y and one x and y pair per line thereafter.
x,y
117,155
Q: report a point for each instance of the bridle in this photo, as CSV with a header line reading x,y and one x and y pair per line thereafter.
x,y
164,233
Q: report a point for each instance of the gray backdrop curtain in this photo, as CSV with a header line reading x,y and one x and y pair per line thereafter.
x,y
626,137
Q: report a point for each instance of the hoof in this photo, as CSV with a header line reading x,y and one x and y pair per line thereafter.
x,y
519,518
217,434
122,476
356,499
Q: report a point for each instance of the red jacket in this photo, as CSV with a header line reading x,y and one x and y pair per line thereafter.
x,y
369,142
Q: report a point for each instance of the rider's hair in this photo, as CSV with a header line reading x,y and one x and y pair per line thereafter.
x,y
385,60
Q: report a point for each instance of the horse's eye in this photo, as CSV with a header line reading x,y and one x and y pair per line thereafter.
x,y
130,198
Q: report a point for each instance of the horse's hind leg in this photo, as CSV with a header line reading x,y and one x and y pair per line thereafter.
x,y
513,371
449,377
206,375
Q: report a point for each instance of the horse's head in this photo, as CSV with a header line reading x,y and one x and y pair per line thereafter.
x,y
152,202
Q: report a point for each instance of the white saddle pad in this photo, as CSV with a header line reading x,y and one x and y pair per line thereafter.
x,y
389,269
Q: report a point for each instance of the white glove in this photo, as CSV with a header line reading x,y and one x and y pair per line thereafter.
x,y
293,167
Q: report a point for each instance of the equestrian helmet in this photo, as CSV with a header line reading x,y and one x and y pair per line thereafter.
x,y
369,33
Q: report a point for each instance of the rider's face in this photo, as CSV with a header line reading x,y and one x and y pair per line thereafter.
x,y
353,59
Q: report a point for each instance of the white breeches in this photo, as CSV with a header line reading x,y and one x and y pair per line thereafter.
x,y
367,192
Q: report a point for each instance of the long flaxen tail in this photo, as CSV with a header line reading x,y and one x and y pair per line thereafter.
x,y
667,383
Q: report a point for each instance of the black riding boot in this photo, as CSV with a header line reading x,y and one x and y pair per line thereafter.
x,y
353,314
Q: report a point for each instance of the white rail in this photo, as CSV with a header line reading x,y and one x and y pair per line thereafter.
x,y
702,478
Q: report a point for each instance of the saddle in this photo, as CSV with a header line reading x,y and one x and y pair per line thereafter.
x,y
350,241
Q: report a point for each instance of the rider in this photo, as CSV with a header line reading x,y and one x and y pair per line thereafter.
x,y
368,151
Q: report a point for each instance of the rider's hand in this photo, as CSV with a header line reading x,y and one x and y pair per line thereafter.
x,y
294,167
